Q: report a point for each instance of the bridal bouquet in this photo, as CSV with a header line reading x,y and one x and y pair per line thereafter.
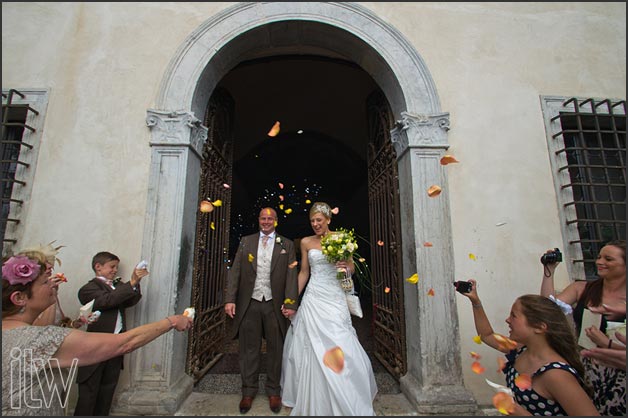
x,y
340,245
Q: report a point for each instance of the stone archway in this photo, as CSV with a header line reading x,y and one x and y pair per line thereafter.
x,y
434,379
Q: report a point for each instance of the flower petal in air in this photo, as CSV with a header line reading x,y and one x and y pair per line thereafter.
x,y
387,289
308,201
276,223
477,368
523,381
433,191
475,355
226,186
427,244
288,211
504,403
472,256
280,185
477,339
430,292
501,363
281,206
275,129
413,279
505,342
206,206
281,198
251,258
217,203
334,358
335,210
448,159
212,226
380,243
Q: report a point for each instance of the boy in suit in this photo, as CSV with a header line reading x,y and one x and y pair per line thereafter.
x,y
97,383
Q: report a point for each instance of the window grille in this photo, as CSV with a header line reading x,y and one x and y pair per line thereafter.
x,y
12,149
587,144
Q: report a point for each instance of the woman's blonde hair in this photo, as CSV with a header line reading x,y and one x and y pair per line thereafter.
x,y
322,208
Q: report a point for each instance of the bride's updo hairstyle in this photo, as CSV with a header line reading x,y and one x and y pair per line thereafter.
x,y
321,207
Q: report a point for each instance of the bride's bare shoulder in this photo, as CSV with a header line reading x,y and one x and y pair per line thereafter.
x,y
308,242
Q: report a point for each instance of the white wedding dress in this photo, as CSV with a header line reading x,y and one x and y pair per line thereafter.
x,y
323,322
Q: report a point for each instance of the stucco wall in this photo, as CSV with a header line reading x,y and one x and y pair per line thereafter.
x,y
104,62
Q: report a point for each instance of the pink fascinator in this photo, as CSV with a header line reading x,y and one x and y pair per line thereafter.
x,y
20,270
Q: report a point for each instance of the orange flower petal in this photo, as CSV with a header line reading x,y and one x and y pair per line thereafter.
x,y
430,292
504,403
380,243
62,277
334,358
505,342
523,381
293,264
427,244
275,129
501,363
448,159
477,339
206,206
433,191
475,355
335,210
477,368
387,290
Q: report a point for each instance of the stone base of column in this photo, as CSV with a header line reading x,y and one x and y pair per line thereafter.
x,y
438,400
149,400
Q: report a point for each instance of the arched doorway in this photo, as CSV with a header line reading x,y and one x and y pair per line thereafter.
x,y
346,31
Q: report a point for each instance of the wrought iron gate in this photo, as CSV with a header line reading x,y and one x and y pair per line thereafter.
x,y
389,326
212,239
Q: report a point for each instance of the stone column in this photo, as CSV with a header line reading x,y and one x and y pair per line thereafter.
x,y
434,381
158,382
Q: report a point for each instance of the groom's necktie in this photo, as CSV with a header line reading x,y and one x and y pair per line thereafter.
x,y
265,240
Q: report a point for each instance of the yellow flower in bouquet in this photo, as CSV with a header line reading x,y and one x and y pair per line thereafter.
x,y
339,245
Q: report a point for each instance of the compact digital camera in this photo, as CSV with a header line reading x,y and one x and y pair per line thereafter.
x,y
463,287
552,257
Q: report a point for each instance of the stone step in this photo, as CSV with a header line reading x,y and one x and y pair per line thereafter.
x,y
231,383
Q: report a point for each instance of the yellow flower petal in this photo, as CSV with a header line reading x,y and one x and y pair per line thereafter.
x,y
288,211
472,256
217,203
477,339
251,258
289,301
413,279
212,226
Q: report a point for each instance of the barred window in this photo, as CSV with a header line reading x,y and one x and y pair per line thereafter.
x,y
22,118
587,144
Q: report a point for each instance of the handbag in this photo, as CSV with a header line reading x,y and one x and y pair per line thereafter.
x,y
353,302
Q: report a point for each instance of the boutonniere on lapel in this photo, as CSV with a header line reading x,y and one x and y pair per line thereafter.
x,y
116,280
279,241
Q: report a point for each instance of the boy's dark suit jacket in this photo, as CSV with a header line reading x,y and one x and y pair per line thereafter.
x,y
108,301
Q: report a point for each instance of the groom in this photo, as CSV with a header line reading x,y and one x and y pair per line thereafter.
x,y
261,280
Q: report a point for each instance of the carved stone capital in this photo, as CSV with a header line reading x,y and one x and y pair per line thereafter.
x,y
420,131
176,128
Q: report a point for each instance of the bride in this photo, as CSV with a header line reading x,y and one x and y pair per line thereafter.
x,y
321,323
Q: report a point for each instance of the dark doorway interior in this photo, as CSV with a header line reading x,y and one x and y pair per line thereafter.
x,y
320,154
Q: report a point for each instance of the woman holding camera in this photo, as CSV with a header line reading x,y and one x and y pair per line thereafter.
x,y
608,291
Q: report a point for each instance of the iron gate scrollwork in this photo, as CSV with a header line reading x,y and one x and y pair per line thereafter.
x,y
206,341
389,326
